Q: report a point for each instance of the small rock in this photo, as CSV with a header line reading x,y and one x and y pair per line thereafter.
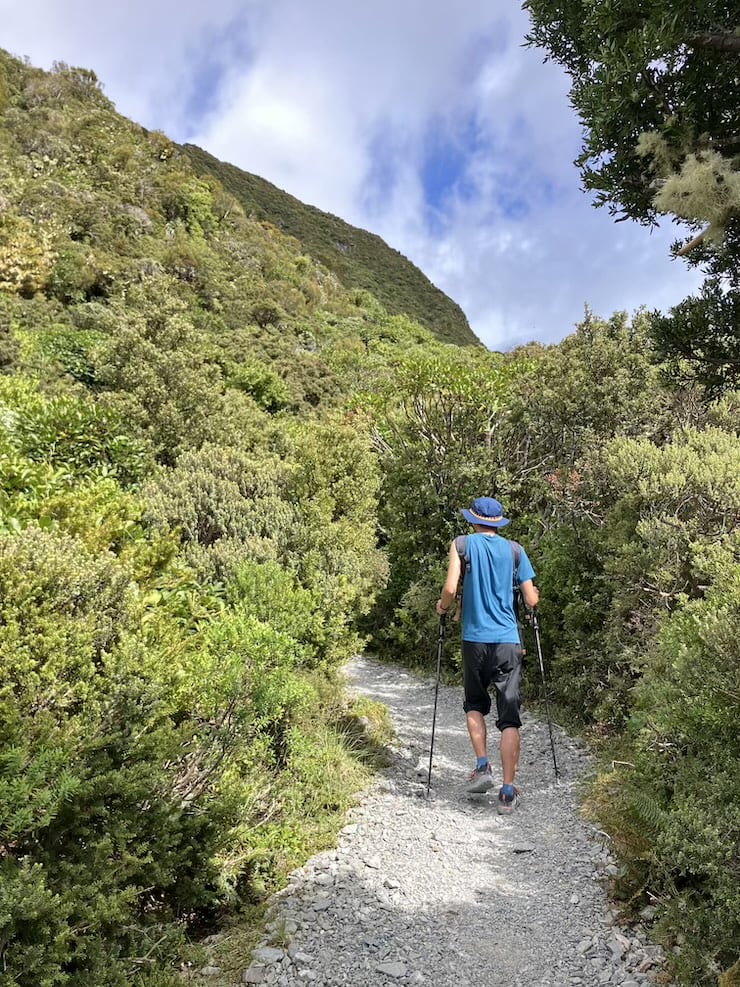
x,y
210,971
254,975
322,904
372,862
394,970
524,848
269,954
298,956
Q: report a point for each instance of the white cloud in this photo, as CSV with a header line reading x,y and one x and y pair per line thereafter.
x,y
144,51
335,102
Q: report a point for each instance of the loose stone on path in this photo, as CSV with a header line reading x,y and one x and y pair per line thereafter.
x,y
443,891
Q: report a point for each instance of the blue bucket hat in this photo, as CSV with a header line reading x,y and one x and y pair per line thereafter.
x,y
485,511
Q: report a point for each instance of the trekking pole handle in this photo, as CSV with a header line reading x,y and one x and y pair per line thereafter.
x,y
442,626
535,619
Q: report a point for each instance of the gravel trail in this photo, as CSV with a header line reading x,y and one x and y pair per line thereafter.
x,y
443,891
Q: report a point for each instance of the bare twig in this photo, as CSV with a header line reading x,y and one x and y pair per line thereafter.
x,y
692,243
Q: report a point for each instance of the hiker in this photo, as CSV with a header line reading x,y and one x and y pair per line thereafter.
x,y
491,648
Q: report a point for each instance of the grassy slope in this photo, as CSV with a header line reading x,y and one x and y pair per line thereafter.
x,y
358,258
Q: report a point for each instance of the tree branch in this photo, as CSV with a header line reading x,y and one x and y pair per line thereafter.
x,y
691,244
716,41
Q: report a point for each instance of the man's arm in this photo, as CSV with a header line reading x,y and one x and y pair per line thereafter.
x,y
530,593
449,590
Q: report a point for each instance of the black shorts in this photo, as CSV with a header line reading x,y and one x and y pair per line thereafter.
x,y
497,663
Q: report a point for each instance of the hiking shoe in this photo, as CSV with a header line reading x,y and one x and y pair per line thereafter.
x,y
507,803
480,781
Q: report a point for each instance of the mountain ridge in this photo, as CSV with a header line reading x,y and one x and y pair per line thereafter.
x,y
359,259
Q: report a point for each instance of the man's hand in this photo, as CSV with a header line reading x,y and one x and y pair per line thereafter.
x,y
440,609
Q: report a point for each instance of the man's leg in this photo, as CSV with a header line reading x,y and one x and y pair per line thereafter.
x,y
477,705
509,749
477,730
507,679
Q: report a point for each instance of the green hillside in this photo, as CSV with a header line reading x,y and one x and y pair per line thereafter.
x,y
358,258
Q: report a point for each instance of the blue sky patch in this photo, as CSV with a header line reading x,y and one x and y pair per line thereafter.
x,y
443,166
444,170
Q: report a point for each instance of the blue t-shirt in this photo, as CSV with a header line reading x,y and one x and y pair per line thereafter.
x,y
488,591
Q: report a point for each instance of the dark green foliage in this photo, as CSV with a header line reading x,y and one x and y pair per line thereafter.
x,y
651,526
65,431
602,380
638,68
262,383
442,442
656,144
9,346
229,506
700,338
677,811
88,772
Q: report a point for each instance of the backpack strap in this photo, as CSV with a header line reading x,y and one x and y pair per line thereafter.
x,y
516,549
461,544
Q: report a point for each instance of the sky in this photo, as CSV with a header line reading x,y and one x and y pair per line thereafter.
x,y
427,122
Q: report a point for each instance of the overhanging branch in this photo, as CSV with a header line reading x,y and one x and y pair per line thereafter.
x,y
716,41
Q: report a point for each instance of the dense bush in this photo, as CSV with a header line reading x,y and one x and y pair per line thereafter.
x,y
651,526
440,430
67,431
675,812
98,852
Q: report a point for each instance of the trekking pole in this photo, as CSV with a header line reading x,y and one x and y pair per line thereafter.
x,y
440,642
536,626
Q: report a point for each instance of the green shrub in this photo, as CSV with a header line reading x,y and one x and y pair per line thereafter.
x,y
641,528
157,371
271,594
688,708
676,813
9,345
412,634
260,381
100,854
70,349
72,433
223,498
